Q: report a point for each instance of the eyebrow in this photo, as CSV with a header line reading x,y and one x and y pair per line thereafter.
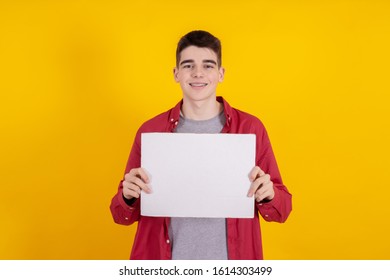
x,y
204,61
210,61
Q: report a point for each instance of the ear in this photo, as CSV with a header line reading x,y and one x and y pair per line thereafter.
x,y
221,74
175,74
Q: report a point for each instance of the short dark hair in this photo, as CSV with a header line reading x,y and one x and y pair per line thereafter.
x,y
201,39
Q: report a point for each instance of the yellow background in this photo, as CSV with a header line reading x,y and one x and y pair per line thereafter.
x,y
77,78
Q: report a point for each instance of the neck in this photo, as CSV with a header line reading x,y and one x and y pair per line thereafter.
x,y
201,110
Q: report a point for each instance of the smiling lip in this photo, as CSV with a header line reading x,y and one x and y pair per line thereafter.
x,y
198,84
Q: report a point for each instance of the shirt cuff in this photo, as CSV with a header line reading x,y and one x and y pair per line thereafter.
x,y
130,201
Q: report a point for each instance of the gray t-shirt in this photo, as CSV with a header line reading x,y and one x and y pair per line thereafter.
x,y
199,238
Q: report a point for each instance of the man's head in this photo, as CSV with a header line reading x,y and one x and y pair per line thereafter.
x,y
200,39
198,66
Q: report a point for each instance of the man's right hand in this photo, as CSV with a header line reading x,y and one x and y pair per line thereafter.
x,y
135,181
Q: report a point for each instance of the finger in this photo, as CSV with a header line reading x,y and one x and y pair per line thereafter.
x,y
140,172
254,186
140,184
263,196
138,177
265,192
264,188
130,190
126,185
131,186
258,184
128,177
129,194
254,173
261,172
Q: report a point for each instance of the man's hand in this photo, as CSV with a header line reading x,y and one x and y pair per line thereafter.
x,y
134,182
262,186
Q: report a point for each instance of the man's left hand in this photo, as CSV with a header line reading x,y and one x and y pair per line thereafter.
x,y
262,186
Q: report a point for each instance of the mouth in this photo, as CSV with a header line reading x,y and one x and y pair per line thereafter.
x,y
198,85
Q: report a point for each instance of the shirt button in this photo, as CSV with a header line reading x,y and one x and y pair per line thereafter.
x,y
172,120
126,218
176,123
266,216
260,204
168,241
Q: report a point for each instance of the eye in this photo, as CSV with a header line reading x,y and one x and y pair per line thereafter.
x,y
209,66
187,66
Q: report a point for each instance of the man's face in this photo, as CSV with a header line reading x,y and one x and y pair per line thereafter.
x,y
198,73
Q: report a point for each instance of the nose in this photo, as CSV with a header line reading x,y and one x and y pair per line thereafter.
x,y
197,72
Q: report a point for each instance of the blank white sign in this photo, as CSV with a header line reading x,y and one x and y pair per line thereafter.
x,y
198,175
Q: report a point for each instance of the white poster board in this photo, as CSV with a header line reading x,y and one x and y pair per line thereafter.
x,y
198,175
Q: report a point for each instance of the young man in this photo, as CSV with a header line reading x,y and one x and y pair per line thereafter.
x,y
198,70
